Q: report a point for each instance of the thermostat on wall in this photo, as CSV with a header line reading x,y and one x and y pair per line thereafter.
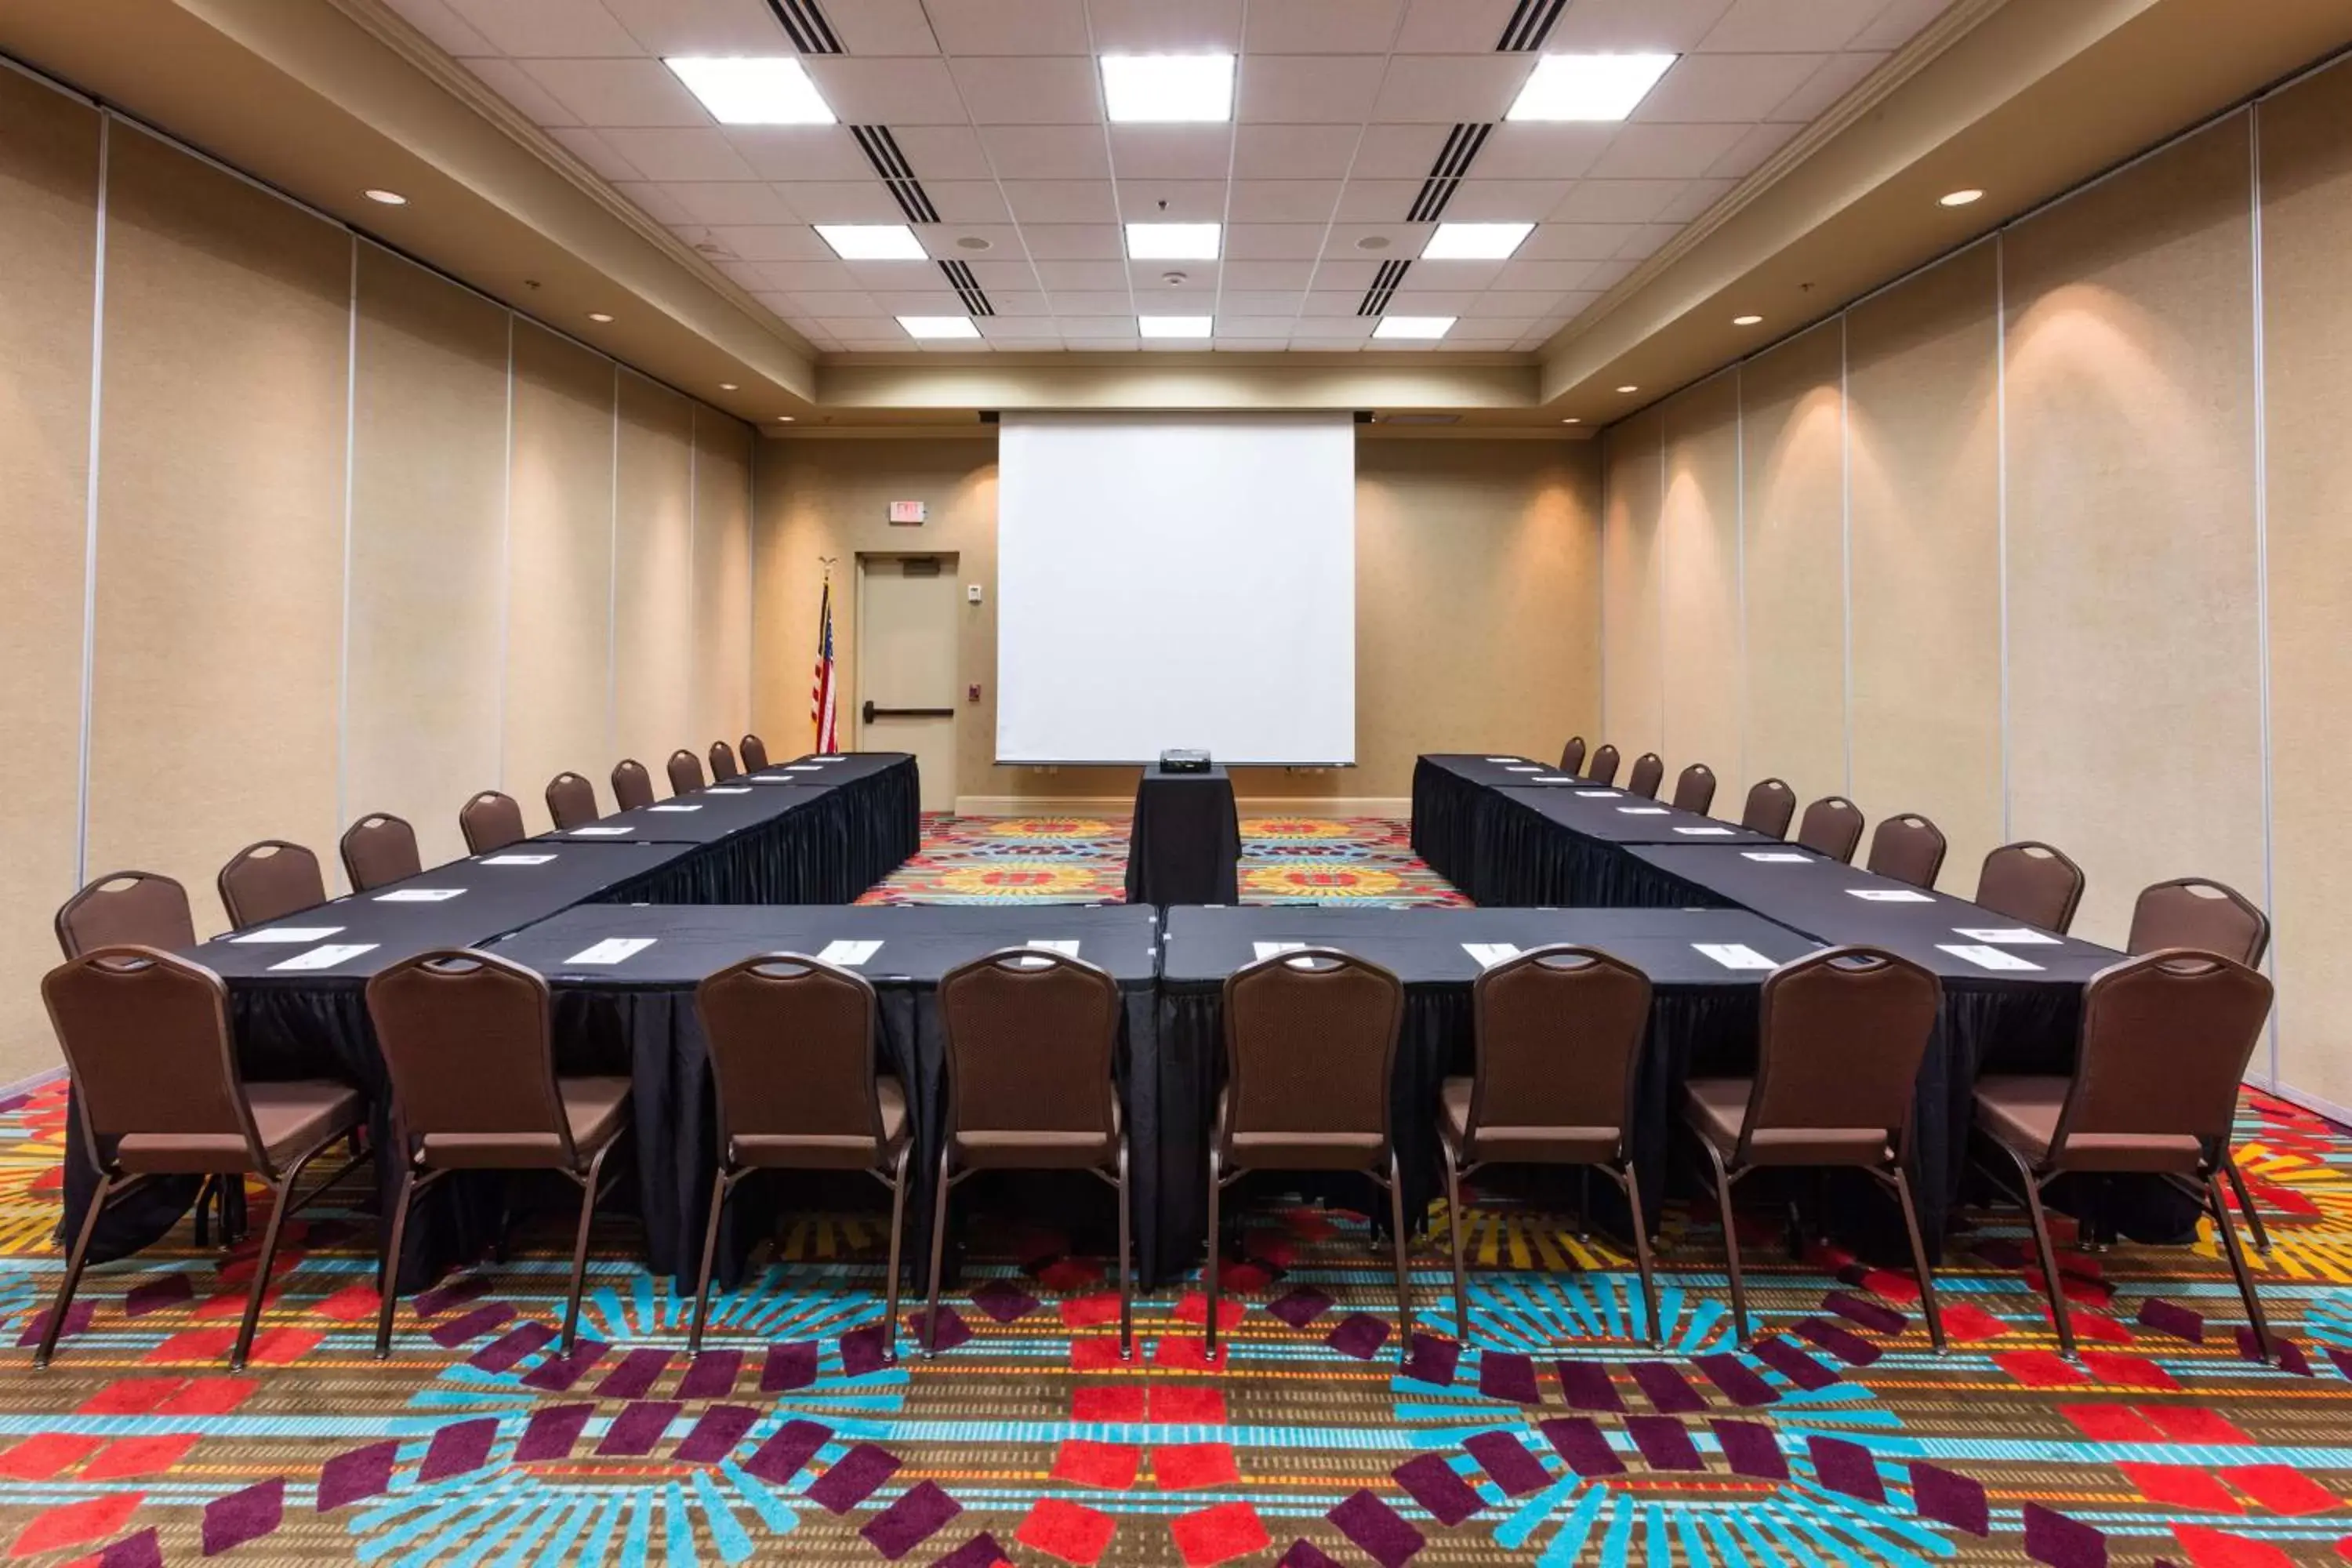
x,y
904,513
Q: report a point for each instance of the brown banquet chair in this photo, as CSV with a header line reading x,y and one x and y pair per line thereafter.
x,y
1694,789
1030,1037
571,802
633,788
1649,773
377,849
791,1047
1603,770
467,1045
685,773
1770,806
146,1039
269,880
1571,757
1840,1036
755,755
2164,1043
2196,912
722,763
1310,1050
142,907
1558,1033
2033,882
1831,826
490,821
1907,847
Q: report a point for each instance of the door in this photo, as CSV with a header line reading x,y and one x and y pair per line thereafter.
x,y
905,701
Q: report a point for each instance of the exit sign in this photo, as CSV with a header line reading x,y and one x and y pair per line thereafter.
x,y
906,513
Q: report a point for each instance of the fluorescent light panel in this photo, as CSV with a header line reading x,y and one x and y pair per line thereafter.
x,y
1476,241
1173,326
1588,86
872,241
938,326
1163,90
756,89
1414,327
1173,241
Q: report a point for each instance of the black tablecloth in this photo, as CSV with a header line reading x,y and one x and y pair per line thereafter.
x,y
641,1010
1185,847
1568,847
1450,793
1703,1018
871,823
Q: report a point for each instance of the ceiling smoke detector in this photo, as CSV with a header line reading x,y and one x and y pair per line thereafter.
x,y
1174,279
1373,242
974,242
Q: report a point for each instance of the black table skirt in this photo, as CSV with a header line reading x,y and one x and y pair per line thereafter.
x,y
1445,812
1520,859
1185,844
830,850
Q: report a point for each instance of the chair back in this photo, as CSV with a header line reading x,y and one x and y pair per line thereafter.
x,y
1649,773
265,881
1832,826
1694,789
377,849
633,788
1841,1035
467,1044
142,907
146,1039
1310,1044
571,802
1770,803
1909,848
685,771
755,755
2031,881
1558,1031
490,821
722,763
1030,1038
1604,765
792,1055
2165,1042
1571,757
2196,912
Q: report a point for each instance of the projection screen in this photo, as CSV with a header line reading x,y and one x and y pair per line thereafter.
x,y
1176,580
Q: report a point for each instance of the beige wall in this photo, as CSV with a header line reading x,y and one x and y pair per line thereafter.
x,y
1476,575
364,540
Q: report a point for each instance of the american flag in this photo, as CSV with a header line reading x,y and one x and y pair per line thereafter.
x,y
822,695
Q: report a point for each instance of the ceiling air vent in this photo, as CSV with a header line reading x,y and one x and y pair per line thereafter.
x,y
810,32
881,150
1461,145
1421,418
968,288
1383,289
1530,25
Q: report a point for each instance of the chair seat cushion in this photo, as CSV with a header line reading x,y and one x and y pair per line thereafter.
x,y
292,1118
2022,1112
1521,1145
830,1152
595,1108
1717,1108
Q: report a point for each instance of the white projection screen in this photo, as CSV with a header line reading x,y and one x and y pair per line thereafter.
x,y
1176,580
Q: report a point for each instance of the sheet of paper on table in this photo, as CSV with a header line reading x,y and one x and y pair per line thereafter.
x,y
848,954
325,957
613,950
1985,957
516,860
1890,895
2006,936
1735,956
296,934
1775,857
1490,953
1269,949
601,831
418,895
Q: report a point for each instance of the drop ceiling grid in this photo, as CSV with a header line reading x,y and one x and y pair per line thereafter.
x,y
1341,109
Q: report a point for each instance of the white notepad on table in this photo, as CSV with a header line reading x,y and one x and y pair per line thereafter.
x,y
849,955
1596,794
1490,953
1705,832
729,789
1775,857
673,805
1985,957
325,957
1735,956
1502,759
613,950
1523,768
800,767
1643,810
601,831
296,934
1889,896
1266,949
419,895
516,860
1553,778
1067,946
2006,936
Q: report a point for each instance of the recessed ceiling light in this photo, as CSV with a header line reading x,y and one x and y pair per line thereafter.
x,y
726,386
1475,241
1414,327
1588,86
1173,326
1571,421
760,89
1142,90
1373,242
1629,389
938,326
1959,198
389,198
598,316
974,242
1746,321
784,419
872,241
1172,241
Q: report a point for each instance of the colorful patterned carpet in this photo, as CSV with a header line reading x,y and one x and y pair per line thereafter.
x,y
1553,1437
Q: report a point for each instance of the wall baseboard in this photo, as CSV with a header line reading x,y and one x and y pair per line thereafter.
x,y
2339,1114
1121,806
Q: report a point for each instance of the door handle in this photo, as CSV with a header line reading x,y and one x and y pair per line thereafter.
x,y
872,713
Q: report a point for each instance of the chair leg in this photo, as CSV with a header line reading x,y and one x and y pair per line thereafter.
x,y
1641,1253
1216,1185
580,1244
1453,1237
939,1259
1403,1262
2051,1285
720,1186
66,1286
2246,1203
898,1236
1730,1238
1125,1261
204,1214
1919,1259
2229,1236
388,1284
281,1201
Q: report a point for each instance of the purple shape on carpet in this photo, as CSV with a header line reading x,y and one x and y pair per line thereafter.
x,y
794,1444
551,1432
863,1350
362,1472
246,1515
952,1330
1949,1499
1433,1360
711,1375
789,1366
914,1519
1666,1388
2343,1360
141,1550
715,1436
1360,1334
1300,1307
1848,1468
1579,1440
1664,1444
77,1321
2051,1537
506,1353
460,1446
2003,1252
851,1479
637,1373
1503,1375
1003,1301
2291,1357
1750,1447
558,1372
1384,1534
1304,1553
980,1551
1847,1346
441,1298
1506,1460
639,1428
1870,1314
1736,1378
2167,1317
156,1295
1794,1364
1587,1386
472,1325
1429,1481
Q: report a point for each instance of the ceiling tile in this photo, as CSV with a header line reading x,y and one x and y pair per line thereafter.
x,y
771,242
834,308
1186,201
1060,201
1022,325
943,151
1531,150
1501,330
1171,152
1074,241
1268,275
534,102
841,201
939,302
888,91
1322,26
1166,26
800,152
604,93
805,277
1506,302
437,21
1270,303
1575,242
1060,275
1332,273
1506,201
1399,151
1029,91
1272,241
1725,89
1837,76
1018,302
1282,201
591,149
968,201
745,274
547,27
1377,201
881,27
1046,152
1758,26
1309,89
1647,241
668,155
727,202
1293,151
1544,274
1147,282
1607,275
878,278
1413,300
1120,325
1446,88
1897,24
1007,274
1009,26
696,28
1454,277
663,207
1616,201
1645,27
1756,143
1003,241
1455,26
1698,195
1335,306
1228,324
1404,240
1666,151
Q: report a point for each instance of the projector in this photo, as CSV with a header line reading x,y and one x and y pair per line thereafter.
x,y
1183,761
